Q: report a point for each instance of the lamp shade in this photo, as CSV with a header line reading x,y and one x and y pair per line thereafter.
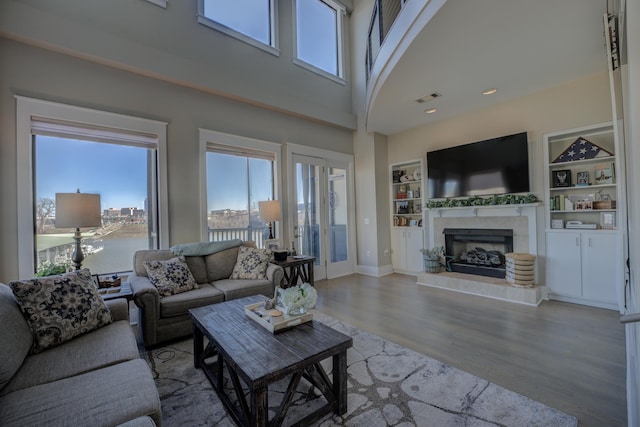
x,y
77,210
269,210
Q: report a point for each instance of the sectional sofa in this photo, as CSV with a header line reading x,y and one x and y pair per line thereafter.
x,y
95,379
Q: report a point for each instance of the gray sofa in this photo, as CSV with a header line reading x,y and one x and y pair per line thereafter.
x,y
167,318
96,379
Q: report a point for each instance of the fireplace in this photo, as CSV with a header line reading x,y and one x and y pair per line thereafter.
x,y
478,251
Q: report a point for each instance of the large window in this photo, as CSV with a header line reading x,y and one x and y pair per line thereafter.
x,y
62,149
319,35
237,177
252,21
122,175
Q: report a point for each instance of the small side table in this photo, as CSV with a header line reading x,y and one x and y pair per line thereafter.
x,y
298,267
124,292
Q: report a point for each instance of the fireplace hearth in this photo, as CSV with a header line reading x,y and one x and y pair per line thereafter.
x,y
478,251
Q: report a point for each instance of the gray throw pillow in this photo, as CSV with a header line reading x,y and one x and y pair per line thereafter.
x,y
252,263
170,277
59,308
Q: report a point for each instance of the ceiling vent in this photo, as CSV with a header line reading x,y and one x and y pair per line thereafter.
x,y
428,98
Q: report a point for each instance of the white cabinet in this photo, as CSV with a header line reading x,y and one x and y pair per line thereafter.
x,y
582,267
405,249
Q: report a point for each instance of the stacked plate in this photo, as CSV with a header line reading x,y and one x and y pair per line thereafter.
x,y
520,269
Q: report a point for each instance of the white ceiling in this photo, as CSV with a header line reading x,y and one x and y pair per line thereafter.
x,y
518,46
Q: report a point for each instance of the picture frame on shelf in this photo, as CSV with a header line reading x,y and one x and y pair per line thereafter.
x,y
582,202
561,178
582,178
607,220
273,244
603,174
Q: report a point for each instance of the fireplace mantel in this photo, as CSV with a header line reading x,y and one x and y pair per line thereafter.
x,y
527,210
490,217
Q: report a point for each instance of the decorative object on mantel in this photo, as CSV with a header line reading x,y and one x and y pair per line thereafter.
x,y
298,299
433,259
497,200
520,269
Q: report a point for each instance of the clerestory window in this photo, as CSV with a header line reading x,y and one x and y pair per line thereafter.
x,y
251,21
319,36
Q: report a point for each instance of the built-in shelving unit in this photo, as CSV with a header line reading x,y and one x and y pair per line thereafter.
x,y
584,201
579,188
407,200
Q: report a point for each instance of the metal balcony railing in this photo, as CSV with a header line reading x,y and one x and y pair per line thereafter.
x,y
384,15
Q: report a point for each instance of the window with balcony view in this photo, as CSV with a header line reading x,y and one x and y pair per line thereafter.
x,y
252,21
123,175
64,148
319,35
237,178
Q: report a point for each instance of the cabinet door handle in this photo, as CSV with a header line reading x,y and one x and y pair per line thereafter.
x,y
589,241
577,241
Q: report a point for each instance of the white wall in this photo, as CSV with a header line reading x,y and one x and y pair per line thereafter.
x,y
38,73
169,44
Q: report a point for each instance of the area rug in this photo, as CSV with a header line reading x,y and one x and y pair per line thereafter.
x,y
388,385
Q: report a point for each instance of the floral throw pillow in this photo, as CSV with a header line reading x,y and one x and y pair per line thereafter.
x,y
252,263
59,308
170,277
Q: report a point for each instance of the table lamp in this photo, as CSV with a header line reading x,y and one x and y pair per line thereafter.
x,y
78,210
269,212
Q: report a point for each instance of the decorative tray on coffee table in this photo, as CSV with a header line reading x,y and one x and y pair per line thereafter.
x,y
275,324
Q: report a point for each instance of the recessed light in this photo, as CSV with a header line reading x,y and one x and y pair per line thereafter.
x,y
490,91
431,110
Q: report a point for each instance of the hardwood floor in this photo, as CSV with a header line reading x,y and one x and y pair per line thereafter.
x,y
568,356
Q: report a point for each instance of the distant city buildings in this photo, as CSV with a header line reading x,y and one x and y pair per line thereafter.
x,y
124,214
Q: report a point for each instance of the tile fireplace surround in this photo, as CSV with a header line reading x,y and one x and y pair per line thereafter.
x,y
519,218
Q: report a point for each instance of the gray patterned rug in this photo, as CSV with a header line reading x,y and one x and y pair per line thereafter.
x,y
388,385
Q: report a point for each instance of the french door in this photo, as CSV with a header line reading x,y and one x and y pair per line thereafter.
x,y
320,214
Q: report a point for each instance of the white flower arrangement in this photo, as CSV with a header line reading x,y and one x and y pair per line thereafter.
x,y
298,298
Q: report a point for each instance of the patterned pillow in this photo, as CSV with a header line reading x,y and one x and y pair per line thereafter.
x,y
252,263
171,276
59,308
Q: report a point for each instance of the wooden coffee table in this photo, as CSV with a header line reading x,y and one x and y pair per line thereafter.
x,y
257,357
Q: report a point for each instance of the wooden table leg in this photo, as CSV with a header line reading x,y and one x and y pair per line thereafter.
x,y
340,381
259,407
198,346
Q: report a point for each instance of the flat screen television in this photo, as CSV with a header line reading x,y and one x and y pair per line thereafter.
x,y
494,166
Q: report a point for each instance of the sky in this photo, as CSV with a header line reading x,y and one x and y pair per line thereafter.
x,y
118,173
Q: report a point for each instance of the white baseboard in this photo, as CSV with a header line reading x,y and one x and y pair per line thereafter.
x,y
375,271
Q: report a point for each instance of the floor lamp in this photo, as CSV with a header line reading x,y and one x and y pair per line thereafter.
x,y
78,210
269,212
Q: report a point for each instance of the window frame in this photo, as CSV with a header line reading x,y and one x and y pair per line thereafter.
x,y
272,48
28,107
237,143
340,13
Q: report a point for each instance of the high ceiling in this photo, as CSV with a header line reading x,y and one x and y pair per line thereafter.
x,y
517,46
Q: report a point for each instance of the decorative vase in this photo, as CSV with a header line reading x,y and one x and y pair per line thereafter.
x,y
296,311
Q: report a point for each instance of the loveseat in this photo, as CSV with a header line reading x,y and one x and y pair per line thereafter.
x,y
94,379
213,265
